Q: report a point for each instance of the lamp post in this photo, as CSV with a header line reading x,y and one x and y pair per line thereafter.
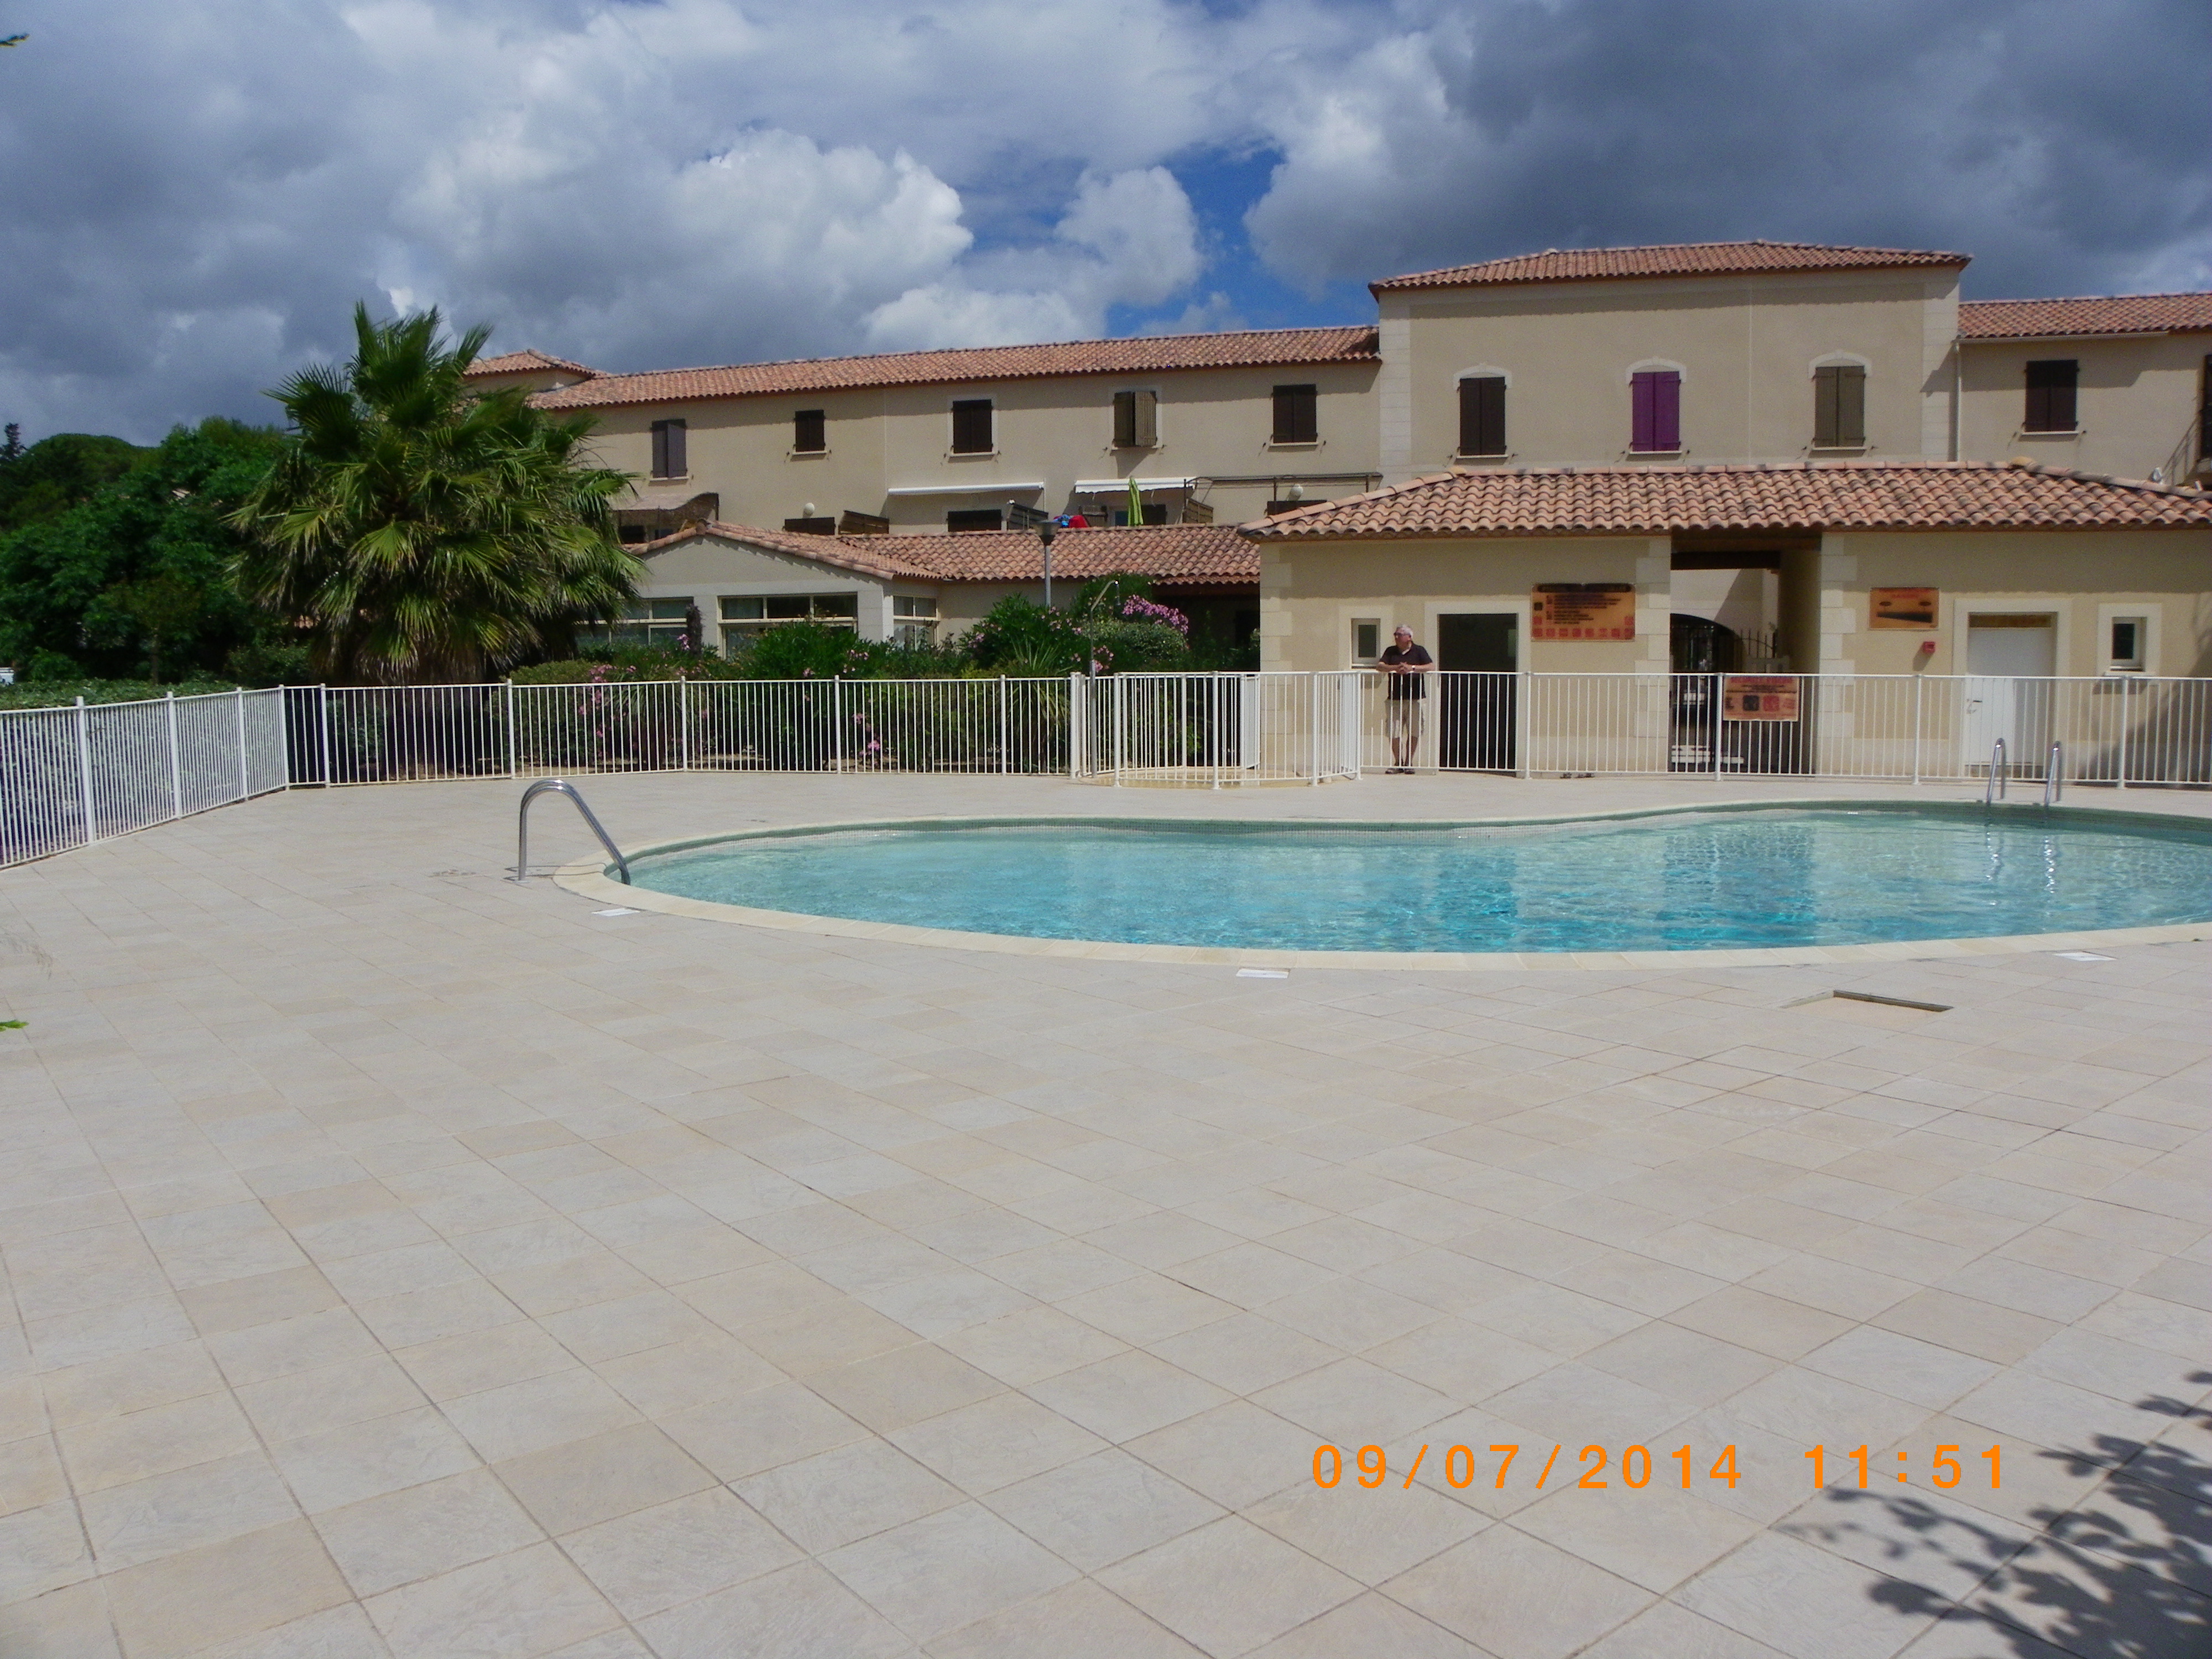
x,y
1045,533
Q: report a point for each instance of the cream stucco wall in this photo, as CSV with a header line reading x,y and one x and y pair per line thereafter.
x,y
2080,577
706,568
885,443
1311,593
2138,398
1746,347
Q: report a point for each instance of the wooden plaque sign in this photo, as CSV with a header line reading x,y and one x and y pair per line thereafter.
x,y
1583,611
1903,607
1758,697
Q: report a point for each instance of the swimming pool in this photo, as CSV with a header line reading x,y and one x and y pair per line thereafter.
x,y
1803,875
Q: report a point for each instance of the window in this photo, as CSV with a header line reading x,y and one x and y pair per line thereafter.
x,y
971,428
809,432
649,622
1839,406
914,622
2050,386
1482,415
1367,636
1154,512
745,619
1136,420
1656,411
963,520
1297,415
2127,646
670,458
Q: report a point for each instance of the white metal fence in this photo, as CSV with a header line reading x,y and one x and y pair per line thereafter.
x,y
72,775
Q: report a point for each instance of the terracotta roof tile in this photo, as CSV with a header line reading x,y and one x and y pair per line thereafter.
x,y
525,363
1674,259
1659,501
1172,554
1249,349
2118,313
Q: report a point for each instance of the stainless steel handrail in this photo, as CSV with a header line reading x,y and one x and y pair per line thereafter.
x,y
2053,768
559,787
1994,791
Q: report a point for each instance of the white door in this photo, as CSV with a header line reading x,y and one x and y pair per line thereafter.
x,y
2010,660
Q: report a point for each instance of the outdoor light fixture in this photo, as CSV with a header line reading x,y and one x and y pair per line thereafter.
x,y
1045,533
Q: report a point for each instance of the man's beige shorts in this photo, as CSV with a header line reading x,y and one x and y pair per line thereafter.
x,y
1401,719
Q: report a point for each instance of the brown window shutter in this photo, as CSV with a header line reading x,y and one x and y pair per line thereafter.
x,y
1851,406
1482,415
1824,409
971,426
1125,420
809,431
2051,389
669,457
1297,415
1148,420
660,449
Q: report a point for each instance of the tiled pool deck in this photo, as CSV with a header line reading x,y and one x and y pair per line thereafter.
x,y
403,1262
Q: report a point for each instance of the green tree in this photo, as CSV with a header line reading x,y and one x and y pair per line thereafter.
x,y
68,578
424,532
55,474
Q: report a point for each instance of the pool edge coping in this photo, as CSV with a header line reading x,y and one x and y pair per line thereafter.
x,y
587,878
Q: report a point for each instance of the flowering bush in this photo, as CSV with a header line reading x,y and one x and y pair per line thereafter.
x,y
1143,610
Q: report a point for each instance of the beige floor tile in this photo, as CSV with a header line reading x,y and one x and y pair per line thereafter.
x,y
519,1606
1077,1621
1912,1370
1802,1601
1146,1308
660,1382
1229,1586
1245,1353
30,1473
1235,1454
659,1558
1655,1536
72,1621
1128,1395
109,1451
1103,1508
1355,1403
1517,1596
1370,1535
1370,1624
240,1303
545,1411
387,1454
1664,1630
1765,1324
1025,1347
798,1612
298,1344
328,1397
266,1578
583,1482
904,1385
944,1570
837,1498
452,1366
381,1543
995,1442
608,1330
761,1430
185,1510
42,1549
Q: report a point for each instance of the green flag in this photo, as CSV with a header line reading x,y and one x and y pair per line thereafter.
x,y
1136,503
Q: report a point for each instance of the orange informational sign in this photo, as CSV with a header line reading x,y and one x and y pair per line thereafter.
x,y
1758,697
1583,611
1903,607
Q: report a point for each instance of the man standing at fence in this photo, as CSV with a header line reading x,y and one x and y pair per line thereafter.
x,y
1402,666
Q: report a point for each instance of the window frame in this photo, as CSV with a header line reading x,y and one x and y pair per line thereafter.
x,y
799,420
967,409
1367,657
671,450
1287,404
2044,403
1137,418
1839,406
1645,385
1474,421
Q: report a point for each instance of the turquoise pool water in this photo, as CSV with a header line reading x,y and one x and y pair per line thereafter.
x,y
1743,878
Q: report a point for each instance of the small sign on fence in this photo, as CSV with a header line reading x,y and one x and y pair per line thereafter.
x,y
1758,697
1583,611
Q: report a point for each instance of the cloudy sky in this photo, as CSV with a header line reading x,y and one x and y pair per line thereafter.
x,y
196,191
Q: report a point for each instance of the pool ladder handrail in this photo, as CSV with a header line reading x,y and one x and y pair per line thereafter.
x,y
1994,791
2053,767
559,787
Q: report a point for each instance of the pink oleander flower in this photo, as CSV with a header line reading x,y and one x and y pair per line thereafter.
x,y
1144,611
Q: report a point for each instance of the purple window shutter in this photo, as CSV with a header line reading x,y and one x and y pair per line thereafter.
x,y
1656,404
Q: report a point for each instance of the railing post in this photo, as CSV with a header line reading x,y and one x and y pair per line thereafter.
x,y
1315,679
323,702
84,773
683,723
514,754
2127,692
245,785
1003,767
1524,684
176,765
837,723
1917,684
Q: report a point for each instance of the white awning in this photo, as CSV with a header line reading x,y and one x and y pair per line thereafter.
x,y
968,490
1120,486
666,497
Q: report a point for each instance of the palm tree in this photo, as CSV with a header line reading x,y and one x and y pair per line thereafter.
x,y
422,531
